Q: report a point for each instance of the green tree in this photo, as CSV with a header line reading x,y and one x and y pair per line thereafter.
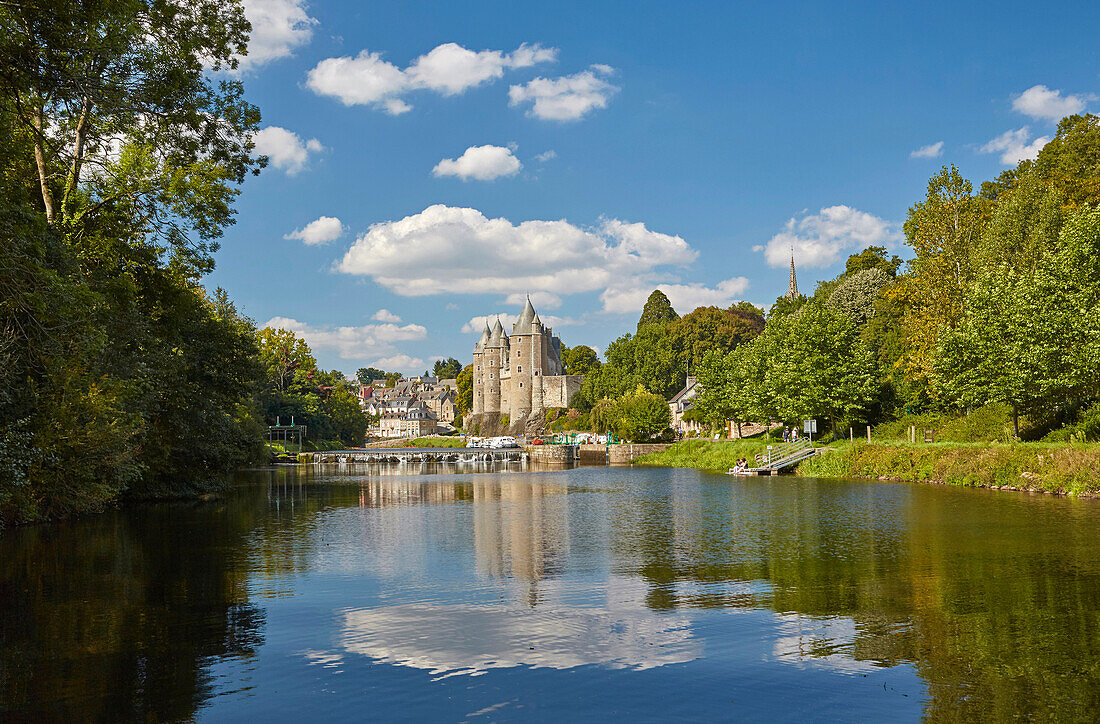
x,y
657,310
709,329
465,397
857,292
288,359
604,416
873,257
446,369
642,415
579,360
366,375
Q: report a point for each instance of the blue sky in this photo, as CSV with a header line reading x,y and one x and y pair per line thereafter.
x,y
433,162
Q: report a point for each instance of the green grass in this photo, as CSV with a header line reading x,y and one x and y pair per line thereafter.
x,y
705,454
1059,468
436,442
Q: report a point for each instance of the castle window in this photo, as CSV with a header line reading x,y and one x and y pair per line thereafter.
x,y
536,373
490,375
521,384
519,368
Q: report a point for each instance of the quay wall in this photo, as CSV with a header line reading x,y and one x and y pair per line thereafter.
x,y
627,453
556,454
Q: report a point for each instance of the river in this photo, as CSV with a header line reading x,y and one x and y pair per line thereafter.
x,y
589,594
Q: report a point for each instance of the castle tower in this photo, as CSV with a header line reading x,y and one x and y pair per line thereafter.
x,y
792,287
479,371
523,358
495,355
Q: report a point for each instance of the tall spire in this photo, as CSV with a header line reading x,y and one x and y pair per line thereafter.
x,y
792,288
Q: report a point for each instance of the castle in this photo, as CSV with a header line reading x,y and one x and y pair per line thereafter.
x,y
519,376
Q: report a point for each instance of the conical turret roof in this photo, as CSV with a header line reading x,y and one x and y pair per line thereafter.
x,y
484,338
497,335
526,317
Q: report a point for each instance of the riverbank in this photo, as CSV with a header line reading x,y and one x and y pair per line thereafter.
x,y
1068,469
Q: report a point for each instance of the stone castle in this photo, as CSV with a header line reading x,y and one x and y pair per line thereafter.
x,y
518,377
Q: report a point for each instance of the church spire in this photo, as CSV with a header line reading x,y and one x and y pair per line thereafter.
x,y
792,288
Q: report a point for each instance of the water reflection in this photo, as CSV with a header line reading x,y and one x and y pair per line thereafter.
x,y
976,605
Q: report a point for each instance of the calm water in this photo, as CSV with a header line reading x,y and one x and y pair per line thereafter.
x,y
590,594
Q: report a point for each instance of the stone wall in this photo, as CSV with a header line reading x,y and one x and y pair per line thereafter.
x,y
627,452
557,391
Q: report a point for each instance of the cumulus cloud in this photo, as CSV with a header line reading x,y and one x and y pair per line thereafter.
x,y
385,315
1043,103
684,297
365,341
400,363
476,324
448,69
568,98
546,156
483,163
319,231
1014,146
821,239
542,300
453,250
279,27
932,150
285,149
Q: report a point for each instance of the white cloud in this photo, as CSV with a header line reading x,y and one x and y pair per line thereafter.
x,y
483,163
452,250
1015,147
684,297
368,340
546,156
285,149
278,28
932,150
318,231
821,239
1043,103
476,324
568,98
400,363
385,315
542,300
448,69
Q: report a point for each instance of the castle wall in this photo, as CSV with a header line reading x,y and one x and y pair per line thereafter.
x,y
558,391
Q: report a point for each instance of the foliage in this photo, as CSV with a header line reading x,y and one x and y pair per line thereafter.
x,y
704,454
1022,466
641,415
579,360
857,293
603,416
873,257
657,310
366,375
446,369
465,397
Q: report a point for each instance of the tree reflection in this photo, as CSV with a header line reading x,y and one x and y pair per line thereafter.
x,y
116,617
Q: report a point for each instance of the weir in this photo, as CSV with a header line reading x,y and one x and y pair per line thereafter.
x,y
419,455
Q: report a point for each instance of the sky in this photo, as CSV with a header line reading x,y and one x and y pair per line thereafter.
x,y
433,163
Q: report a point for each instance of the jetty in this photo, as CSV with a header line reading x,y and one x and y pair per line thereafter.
x,y
778,457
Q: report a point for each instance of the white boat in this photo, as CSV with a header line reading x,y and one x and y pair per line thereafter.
x,y
505,441
474,442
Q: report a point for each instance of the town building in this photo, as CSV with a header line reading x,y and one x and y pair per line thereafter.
x,y
680,403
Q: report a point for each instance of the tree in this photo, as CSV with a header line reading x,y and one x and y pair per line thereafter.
x,y
287,358
642,415
348,421
943,231
1028,337
465,397
604,416
579,360
657,310
392,378
856,294
446,369
873,257
366,375
709,329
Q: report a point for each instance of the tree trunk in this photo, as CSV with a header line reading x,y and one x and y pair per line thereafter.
x,y
40,160
1015,422
78,156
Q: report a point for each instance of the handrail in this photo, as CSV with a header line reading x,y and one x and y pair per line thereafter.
x,y
780,451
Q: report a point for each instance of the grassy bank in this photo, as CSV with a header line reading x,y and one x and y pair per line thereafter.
x,y
436,442
704,454
1059,468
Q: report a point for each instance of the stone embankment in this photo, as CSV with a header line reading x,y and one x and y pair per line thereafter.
x,y
627,453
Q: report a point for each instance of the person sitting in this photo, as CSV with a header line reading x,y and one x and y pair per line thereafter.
x,y
742,465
